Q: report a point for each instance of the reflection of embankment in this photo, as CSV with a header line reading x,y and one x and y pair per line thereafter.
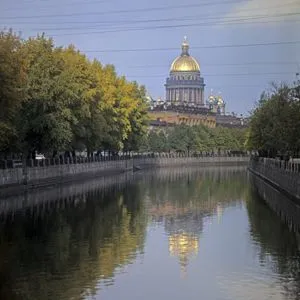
x,y
284,207
61,196
278,245
66,253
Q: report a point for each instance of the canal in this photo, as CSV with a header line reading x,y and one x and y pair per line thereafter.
x,y
170,234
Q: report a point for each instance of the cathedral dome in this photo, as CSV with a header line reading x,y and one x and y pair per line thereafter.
x,y
185,62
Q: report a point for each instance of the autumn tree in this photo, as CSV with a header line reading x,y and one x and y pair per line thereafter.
x,y
46,114
55,99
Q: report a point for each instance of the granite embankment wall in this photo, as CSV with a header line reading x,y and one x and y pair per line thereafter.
x,y
63,171
284,176
281,204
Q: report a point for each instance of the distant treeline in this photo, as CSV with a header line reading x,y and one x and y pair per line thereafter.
x,y
183,138
55,99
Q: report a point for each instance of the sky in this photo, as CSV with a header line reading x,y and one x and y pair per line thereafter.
x,y
241,45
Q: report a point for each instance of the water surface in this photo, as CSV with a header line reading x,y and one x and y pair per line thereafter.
x,y
170,234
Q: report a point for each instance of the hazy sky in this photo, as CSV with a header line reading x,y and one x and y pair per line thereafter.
x,y
223,35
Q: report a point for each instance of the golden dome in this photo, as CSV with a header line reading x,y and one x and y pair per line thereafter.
x,y
211,99
185,62
220,100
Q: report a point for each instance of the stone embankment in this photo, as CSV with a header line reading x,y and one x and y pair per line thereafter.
x,y
47,172
283,175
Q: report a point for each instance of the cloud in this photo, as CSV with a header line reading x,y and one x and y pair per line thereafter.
x,y
264,11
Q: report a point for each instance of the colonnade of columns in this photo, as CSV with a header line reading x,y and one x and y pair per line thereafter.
x,y
186,95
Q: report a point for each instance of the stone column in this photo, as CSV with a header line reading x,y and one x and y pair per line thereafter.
x,y
195,95
201,96
185,98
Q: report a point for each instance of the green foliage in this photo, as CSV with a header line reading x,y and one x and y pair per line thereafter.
x,y
46,114
11,92
274,126
185,138
55,99
157,141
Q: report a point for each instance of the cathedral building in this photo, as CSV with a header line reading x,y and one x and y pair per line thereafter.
x,y
184,103
185,86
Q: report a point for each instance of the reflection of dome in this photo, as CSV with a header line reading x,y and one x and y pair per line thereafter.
x,y
183,246
185,62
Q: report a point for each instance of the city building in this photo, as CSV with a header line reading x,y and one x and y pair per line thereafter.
x,y
184,102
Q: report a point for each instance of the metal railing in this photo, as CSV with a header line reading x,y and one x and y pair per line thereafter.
x,y
287,165
30,163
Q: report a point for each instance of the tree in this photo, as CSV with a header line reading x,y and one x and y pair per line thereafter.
x,y
157,141
138,118
274,126
46,112
55,99
11,89
183,138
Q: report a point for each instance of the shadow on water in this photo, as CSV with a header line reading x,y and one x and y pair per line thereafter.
x,y
274,225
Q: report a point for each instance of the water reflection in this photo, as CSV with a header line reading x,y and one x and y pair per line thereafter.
x,y
169,234
185,200
58,253
278,243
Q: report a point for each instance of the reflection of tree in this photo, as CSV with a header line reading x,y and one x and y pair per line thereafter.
x,y
61,254
278,245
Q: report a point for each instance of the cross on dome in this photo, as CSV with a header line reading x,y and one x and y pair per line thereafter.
x,y
185,47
